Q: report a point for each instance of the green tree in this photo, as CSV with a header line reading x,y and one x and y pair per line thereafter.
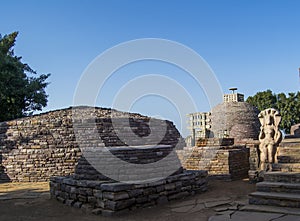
x,y
21,91
288,106
263,100
289,109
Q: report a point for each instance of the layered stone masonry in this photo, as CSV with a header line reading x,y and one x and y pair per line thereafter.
x,y
128,163
107,198
278,189
38,147
235,119
288,157
222,162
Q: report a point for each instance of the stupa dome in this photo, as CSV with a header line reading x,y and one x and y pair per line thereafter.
x,y
235,119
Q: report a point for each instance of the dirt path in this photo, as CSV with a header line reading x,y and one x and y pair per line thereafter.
x,y
31,202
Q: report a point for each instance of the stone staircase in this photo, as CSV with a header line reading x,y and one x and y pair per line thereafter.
x,y
278,189
288,158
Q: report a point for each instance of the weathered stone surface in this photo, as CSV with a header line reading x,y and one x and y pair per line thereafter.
x,y
38,147
116,187
216,203
278,189
295,130
115,197
238,119
246,216
270,136
230,162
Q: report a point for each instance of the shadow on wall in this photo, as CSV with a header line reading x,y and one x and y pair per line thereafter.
x,y
104,158
3,175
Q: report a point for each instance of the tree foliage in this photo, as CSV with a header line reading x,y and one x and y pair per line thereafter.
x,y
21,91
288,106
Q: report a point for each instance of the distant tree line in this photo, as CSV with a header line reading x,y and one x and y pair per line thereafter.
x,y
288,106
21,91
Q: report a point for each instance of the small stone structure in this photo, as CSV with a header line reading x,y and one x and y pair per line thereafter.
x,y
295,130
270,136
219,157
235,119
88,188
234,97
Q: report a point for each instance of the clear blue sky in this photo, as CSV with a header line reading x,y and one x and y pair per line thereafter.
x,y
253,45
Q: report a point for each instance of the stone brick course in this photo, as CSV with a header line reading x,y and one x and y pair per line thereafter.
x,y
225,162
238,119
108,198
38,147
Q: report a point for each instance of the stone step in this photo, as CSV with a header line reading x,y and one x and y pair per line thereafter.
x,y
271,209
287,167
278,187
275,199
284,177
289,159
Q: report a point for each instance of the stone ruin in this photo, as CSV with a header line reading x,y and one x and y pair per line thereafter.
x,y
236,120
295,130
38,147
91,166
277,168
220,157
233,128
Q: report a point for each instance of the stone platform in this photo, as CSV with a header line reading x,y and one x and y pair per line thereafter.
x,y
108,197
222,162
114,179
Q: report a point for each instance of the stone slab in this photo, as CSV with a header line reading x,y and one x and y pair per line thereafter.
x,y
217,203
279,196
246,216
271,209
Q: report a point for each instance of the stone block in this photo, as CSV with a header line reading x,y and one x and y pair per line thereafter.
x,y
115,196
115,187
118,205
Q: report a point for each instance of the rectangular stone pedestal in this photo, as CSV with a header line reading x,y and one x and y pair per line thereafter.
x,y
226,163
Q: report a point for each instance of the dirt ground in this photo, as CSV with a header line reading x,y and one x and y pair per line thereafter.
x,y
31,202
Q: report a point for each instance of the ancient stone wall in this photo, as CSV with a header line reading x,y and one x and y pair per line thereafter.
x,y
38,147
229,163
